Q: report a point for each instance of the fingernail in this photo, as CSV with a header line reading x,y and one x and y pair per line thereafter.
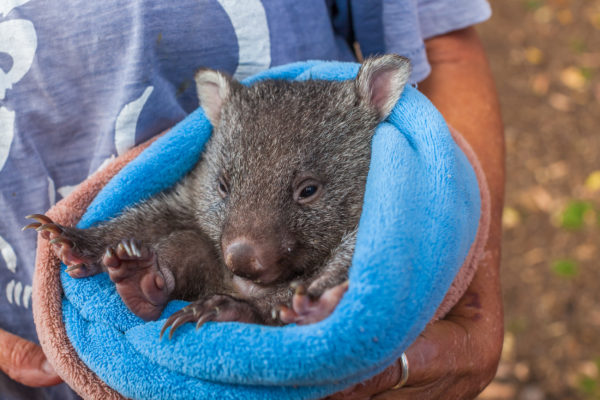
x,y
47,368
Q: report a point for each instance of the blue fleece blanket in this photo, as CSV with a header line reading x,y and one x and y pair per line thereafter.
x,y
420,216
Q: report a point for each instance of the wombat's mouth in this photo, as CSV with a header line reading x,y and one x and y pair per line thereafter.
x,y
282,273
275,276
248,288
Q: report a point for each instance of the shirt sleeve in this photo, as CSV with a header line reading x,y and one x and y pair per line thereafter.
x,y
438,17
402,26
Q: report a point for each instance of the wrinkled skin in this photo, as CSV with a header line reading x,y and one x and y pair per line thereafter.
x,y
455,358
25,362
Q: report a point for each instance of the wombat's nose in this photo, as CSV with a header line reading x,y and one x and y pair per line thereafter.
x,y
242,259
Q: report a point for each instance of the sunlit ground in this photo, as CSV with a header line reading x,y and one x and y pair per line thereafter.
x,y
546,59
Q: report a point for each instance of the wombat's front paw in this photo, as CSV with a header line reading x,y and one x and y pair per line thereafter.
x,y
216,308
308,308
142,285
65,247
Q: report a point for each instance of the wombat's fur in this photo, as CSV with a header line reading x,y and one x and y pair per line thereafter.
x,y
275,199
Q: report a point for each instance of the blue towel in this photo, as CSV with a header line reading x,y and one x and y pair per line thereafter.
x,y
419,219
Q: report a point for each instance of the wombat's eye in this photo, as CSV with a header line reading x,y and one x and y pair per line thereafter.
x,y
222,187
307,191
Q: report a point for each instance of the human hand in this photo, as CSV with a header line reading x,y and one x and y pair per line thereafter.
x,y
25,362
454,358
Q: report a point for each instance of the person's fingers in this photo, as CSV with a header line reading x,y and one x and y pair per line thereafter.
x,y
379,383
429,358
450,359
25,362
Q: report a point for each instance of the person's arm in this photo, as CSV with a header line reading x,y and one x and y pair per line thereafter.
x,y
25,362
455,358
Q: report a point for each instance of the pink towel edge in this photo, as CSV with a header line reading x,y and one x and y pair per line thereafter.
x,y
467,270
47,289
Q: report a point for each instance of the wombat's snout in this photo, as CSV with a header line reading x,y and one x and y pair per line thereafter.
x,y
251,261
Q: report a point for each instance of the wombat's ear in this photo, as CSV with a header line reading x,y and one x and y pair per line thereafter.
x,y
213,89
380,82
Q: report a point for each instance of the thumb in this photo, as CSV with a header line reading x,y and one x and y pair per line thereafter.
x,y
25,362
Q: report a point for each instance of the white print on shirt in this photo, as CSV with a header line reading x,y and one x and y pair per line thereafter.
x,y
249,21
51,192
15,291
126,123
8,254
18,39
18,294
7,133
6,6
66,190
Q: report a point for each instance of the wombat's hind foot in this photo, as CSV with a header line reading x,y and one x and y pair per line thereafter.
x,y
309,308
64,247
143,286
215,308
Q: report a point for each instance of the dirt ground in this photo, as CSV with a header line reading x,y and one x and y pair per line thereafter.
x,y
546,59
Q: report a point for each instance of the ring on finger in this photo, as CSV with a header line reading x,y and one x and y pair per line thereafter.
x,y
404,373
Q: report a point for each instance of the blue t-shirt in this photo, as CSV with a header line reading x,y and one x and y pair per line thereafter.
x,y
83,81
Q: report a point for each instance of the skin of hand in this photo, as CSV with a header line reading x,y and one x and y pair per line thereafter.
x,y
455,358
25,362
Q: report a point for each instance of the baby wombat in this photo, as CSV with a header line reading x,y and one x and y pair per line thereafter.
x,y
275,199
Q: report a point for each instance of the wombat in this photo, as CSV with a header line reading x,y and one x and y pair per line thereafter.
x,y
275,200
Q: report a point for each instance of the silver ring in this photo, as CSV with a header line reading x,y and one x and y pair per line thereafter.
x,y
404,376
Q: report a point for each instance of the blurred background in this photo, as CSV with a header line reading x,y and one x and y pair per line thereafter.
x,y
545,55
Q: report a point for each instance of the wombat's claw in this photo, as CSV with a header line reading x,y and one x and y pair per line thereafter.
x,y
32,225
218,308
78,271
176,324
284,314
168,323
40,218
310,308
189,313
140,282
298,288
65,249
72,268
275,313
130,247
134,249
44,225
208,317
186,314
52,228
130,253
